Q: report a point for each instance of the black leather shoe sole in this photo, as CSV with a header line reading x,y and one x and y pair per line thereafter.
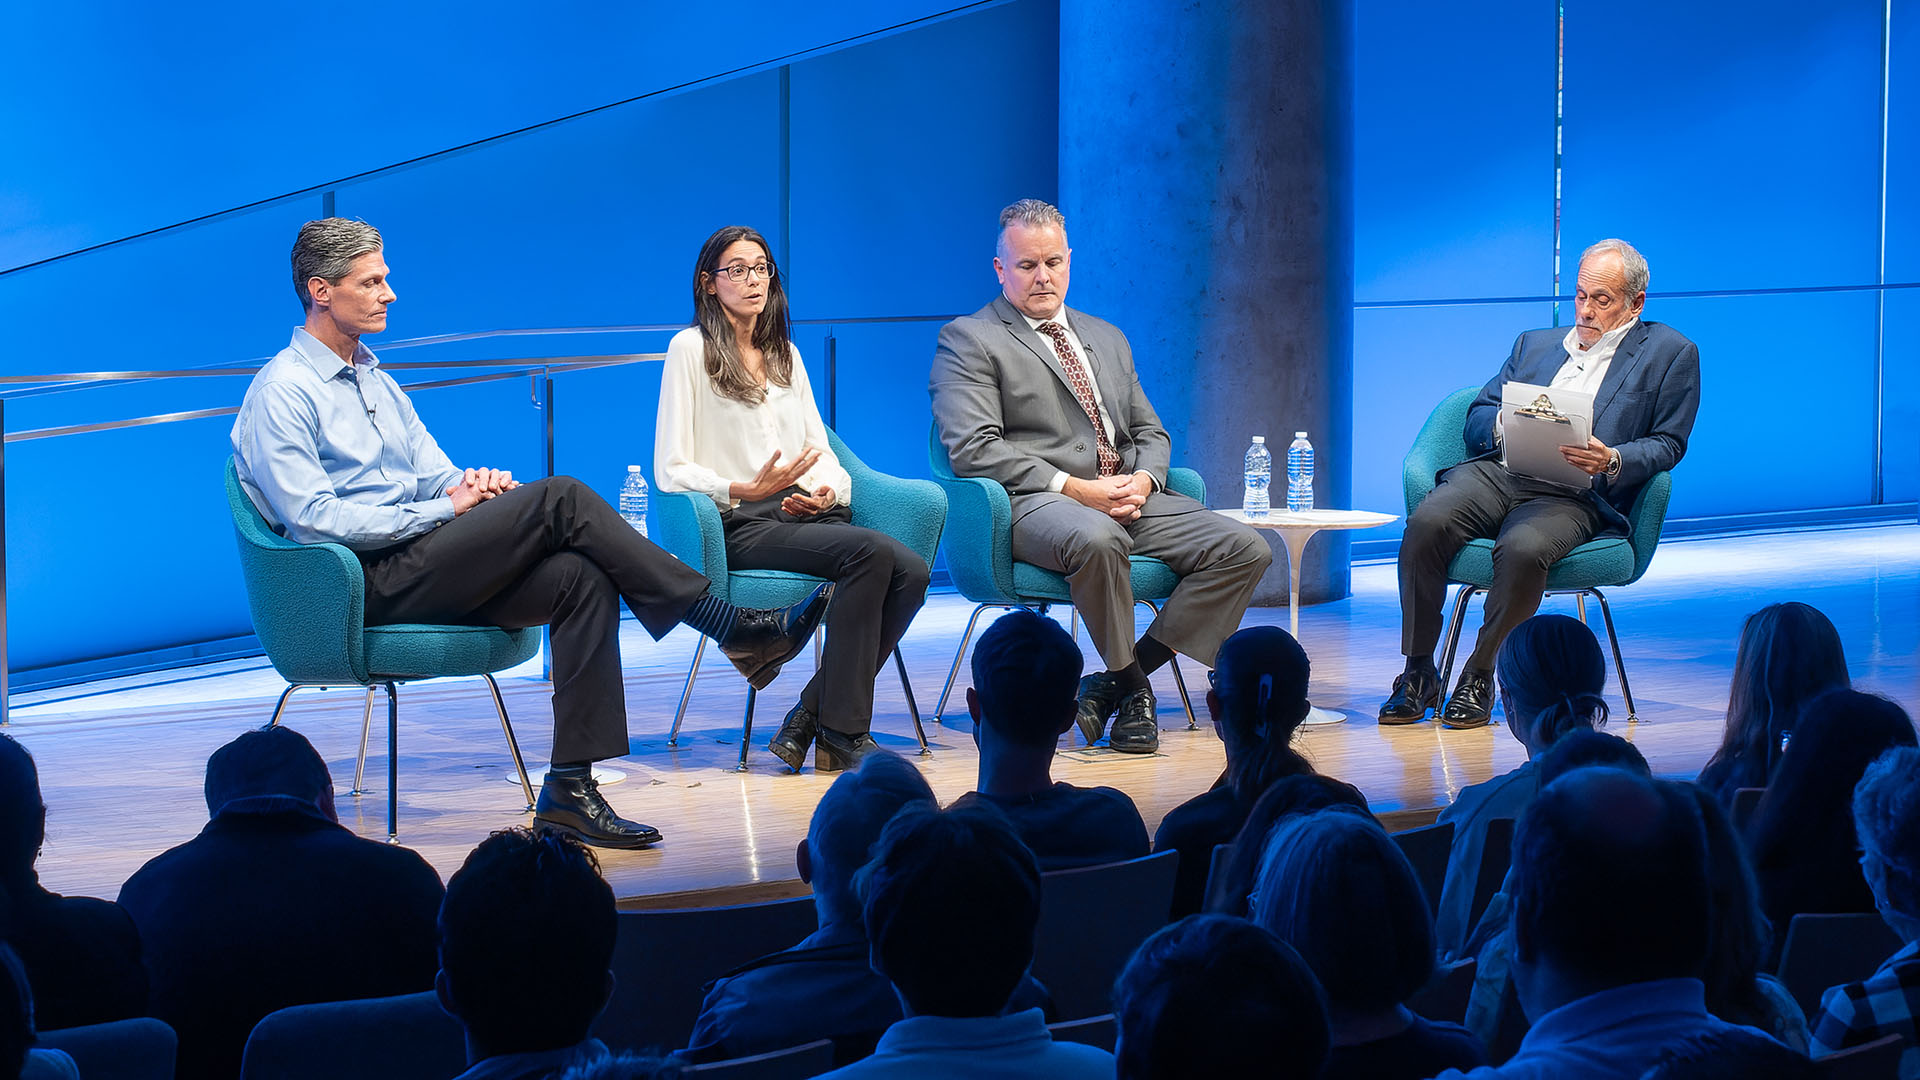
x,y
1462,720
796,733
761,671
1136,730
1471,705
1407,705
618,841
1098,698
833,751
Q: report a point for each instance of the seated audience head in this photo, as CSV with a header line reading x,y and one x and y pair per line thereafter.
x,y
626,1067
23,814
1579,749
1809,800
1886,813
16,1013
1789,654
1026,680
1741,935
526,943
951,900
1258,699
1551,672
1335,886
1731,1051
1228,886
1218,996
268,769
846,824
1594,843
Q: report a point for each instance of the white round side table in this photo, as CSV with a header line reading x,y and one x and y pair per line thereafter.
x,y
1296,527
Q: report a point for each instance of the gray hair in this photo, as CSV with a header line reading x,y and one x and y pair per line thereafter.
x,y
1033,213
1632,263
326,249
1886,816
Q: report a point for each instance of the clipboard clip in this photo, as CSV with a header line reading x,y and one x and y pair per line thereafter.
x,y
1542,409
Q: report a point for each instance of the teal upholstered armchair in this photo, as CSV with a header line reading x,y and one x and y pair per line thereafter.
x,y
979,542
308,607
1608,562
688,526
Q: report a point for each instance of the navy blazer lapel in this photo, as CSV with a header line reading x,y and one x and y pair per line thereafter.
x,y
1625,358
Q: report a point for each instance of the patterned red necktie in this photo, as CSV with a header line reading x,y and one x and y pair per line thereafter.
x,y
1082,385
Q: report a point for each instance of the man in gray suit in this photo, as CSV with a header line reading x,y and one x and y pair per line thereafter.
x,y
1044,399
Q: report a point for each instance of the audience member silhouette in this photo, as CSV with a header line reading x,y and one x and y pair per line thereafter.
x,y
1258,700
625,1067
1605,994
951,902
1026,680
526,954
81,955
1805,854
824,987
1216,996
1789,654
1493,1011
1886,814
275,904
1550,671
1738,989
1336,887
19,1058
1231,880
1733,1052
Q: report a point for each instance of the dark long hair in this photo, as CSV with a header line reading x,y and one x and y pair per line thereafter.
x,y
1808,806
1741,936
1789,654
1260,681
724,365
1553,671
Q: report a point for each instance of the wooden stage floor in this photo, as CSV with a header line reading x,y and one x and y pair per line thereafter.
x,y
121,762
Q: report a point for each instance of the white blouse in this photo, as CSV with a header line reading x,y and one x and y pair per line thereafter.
x,y
705,442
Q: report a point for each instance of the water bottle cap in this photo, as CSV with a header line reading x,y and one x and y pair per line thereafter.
x,y
633,468
1259,438
1299,434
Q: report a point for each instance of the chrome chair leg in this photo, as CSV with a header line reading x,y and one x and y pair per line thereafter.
x,y
746,729
1185,701
281,705
1459,618
673,737
513,745
819,632
1580,606
366,727
960,654
1073,623
1619,665
393,762
913,710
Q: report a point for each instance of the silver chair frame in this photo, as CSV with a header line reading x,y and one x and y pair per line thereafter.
x,y
939,711
746,724
1467,593
393,740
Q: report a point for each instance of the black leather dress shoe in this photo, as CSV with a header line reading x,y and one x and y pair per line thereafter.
x,y
1100,695
1414,692
1136,729
836,750
574,805
1471,705
790,743
765,638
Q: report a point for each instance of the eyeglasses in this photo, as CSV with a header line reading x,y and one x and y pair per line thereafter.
x,y
739,271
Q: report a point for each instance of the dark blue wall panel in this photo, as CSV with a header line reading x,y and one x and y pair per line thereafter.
x,y
1736,151
1453,150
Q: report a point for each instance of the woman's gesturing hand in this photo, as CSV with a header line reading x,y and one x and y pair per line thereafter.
x,y
773,477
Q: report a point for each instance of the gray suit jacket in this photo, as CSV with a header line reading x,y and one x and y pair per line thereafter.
x,y
1006,412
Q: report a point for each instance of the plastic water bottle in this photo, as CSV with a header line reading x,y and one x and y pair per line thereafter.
x,y
1259,475
1299,473
633,499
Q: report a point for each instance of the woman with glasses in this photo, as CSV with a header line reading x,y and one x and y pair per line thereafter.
x,y
738,424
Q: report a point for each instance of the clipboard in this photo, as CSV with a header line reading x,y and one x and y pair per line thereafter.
x,y
1535,422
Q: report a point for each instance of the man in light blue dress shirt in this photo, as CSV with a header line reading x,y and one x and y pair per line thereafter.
x,y
330,450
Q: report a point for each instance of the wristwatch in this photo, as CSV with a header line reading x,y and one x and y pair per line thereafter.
x,y
1613,464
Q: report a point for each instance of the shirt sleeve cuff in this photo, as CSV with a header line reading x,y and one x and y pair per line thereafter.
x,y
1058,483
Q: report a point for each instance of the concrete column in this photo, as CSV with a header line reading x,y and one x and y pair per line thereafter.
x,y
1204,174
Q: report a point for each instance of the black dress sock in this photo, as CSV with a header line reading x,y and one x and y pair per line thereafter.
x,y
570,770
1131,678
1150,654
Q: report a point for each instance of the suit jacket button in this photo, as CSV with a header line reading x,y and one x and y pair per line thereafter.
x,y
1079,447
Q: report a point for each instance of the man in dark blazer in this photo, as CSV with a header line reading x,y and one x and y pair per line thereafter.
x,y
1645,381
1044,399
